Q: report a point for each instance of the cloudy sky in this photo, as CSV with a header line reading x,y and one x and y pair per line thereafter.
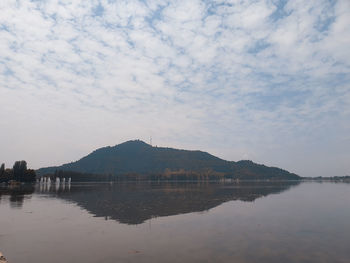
x,y
262,80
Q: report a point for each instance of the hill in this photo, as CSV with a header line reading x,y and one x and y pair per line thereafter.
x,y
137,157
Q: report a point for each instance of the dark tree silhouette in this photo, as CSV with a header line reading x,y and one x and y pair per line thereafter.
x,y
19,170
2,170
19,173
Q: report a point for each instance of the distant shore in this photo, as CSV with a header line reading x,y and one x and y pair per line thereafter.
x,y
328,179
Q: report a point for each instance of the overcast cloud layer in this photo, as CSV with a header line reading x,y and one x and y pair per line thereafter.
x,y
262,80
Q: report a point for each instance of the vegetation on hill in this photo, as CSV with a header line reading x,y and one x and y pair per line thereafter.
x,y
138,160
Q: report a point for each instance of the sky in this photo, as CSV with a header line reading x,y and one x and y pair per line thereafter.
x,y
266,80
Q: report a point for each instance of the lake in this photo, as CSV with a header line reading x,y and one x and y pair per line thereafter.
x,y
176,222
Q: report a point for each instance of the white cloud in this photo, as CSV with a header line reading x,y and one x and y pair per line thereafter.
x,y
234,77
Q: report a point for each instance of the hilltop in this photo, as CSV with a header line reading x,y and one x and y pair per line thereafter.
x,y
138,157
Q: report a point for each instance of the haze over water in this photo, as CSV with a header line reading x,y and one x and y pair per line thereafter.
x,y
184,222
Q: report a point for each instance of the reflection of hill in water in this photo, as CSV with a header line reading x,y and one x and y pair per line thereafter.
x,y
136,203
133,203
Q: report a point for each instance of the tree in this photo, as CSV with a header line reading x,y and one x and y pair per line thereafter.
x,y
21,173
30,176
19,170
2,170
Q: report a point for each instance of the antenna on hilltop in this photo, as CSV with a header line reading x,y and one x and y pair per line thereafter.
x,y
150,140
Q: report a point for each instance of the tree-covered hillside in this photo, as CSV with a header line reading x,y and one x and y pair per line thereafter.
x,y
137,157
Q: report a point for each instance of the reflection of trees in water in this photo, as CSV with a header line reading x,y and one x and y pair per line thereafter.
x,y
136,203
17,194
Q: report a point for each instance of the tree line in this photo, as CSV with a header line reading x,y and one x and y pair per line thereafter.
x,y
18,173
167,175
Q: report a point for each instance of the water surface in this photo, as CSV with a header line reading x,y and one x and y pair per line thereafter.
x,y
183,222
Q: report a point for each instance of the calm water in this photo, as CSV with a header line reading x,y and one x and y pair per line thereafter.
x,y
246,222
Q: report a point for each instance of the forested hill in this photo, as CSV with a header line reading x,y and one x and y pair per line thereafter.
x,y
137,157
